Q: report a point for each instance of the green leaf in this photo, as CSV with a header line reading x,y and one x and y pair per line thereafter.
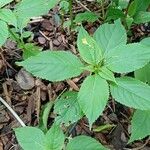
x,y
132,9
129,21
30,138
64,5
132,93
146,41
88,48
108,37
107,74
3,32
128,58
142,5
44,115
8,16
86,16
67,109
114,14
53,66
123,4
115,1
4,2
54,138
26,34
22,23
93,97
140,125
29,50
143,74
142,17
46,112
84,142
32,8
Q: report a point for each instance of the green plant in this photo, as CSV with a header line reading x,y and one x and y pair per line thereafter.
x,y
141,119
102,56
132,11
12,22
33,138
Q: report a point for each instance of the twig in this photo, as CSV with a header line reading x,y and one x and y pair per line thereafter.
x,y
44,36
141,147
71,13
13,112
83,5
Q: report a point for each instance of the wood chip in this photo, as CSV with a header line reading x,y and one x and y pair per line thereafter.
x,y
25,80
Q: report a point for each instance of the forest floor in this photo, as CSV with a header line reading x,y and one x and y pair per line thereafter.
x,y
27,103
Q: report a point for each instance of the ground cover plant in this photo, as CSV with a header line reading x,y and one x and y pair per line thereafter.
x,y
115,69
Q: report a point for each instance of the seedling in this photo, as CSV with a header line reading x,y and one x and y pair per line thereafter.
x,y
104,54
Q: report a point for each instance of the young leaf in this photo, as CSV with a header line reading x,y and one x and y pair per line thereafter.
x,y
29,50
3,32
30,137
123,4
129,21
108,37
128,58
67,108
88,48
140,125
86,16
107,74
142,17
53,66
84,142
132,93
54,138
8,16
4,2
132,9
114,14
93,97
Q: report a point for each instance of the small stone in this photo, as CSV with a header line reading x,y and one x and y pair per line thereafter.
x,y
25,80
56,42
41,40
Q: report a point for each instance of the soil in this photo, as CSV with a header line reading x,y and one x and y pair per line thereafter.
x,y
26,94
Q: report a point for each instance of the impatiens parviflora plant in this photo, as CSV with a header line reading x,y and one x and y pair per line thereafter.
x,y
141,118
104,54
31,138
13,22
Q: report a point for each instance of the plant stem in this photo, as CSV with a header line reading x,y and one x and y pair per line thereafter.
x,y
12,111
103,10
71,12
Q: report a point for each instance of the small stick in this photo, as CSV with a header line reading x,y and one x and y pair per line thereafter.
x,y
83,5
12,111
